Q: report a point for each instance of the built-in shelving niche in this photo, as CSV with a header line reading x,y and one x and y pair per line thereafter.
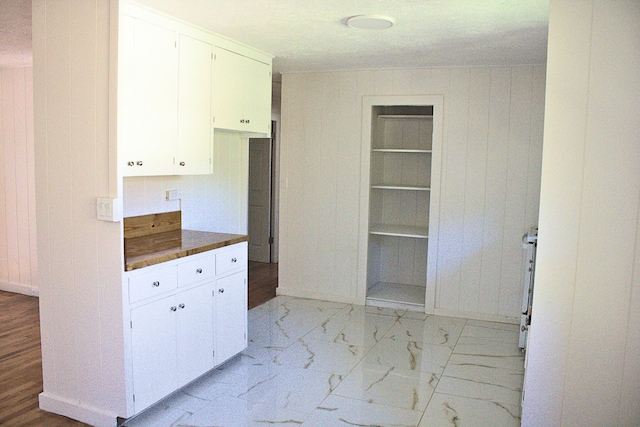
x,y
400,190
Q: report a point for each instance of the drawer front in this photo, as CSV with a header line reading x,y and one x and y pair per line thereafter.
x,y
156,282
231,259
203,267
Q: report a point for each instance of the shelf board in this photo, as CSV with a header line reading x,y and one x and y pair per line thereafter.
x,y
384,292
401,150
405,116
400,231
401,187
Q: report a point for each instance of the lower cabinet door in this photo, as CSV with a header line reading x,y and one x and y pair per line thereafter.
x,y
153,342
230,315
194,332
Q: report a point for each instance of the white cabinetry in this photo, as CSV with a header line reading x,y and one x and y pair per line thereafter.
x,y
164,97
168,91
172,343
242,94
185,317
231,315
148,96
399,204
195,131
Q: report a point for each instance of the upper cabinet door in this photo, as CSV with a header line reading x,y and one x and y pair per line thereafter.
x,y
228,89
242,93
150,133
195,128
257,96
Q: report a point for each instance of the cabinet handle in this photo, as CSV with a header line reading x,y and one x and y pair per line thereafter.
x,y
247,121
221,290
156,284
181,305
198,270
241,120
174,308
182,163
130,163
139,163
234,259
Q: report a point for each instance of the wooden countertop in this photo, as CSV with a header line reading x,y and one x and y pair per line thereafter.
x,y
144,251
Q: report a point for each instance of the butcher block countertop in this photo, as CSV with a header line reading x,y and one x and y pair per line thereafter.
x,y
156,238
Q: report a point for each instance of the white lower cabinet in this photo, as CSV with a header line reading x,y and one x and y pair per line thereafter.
x,y
185,317
172,343
231,315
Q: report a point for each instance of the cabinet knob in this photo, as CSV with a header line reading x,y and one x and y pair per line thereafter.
x,y
198,270
234,259
156,284
174,308
182,163
130,164
221,291
181,305
139,163
247,121
241,120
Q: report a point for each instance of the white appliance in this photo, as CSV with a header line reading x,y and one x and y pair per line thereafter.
x,y
529,242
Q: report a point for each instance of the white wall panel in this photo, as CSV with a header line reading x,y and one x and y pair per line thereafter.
x,y
482,214
18,262
475,187
586,295
214,202
79,258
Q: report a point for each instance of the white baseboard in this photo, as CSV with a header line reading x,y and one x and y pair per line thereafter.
x,y
476,316
76,411
314,295
19,288
437,311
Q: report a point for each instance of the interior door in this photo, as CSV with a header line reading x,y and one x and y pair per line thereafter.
x,y
259,199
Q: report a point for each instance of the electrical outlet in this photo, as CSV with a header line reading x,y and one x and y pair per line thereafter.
x,y
172,195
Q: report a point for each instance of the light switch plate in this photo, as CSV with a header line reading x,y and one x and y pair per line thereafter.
x,y
172,195
109,209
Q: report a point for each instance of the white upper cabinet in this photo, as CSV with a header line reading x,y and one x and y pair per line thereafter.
x,y
148,99
170,97
195,131
242,93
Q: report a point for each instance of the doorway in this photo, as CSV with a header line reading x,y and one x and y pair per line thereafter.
x,y
262,227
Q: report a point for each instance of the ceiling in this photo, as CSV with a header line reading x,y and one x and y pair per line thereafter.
x,y
311,35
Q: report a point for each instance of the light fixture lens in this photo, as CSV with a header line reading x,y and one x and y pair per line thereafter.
x,y
370,22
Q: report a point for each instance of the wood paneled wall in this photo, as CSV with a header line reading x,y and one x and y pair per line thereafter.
x,y
586,309
216,202
492,148
18,259
79,258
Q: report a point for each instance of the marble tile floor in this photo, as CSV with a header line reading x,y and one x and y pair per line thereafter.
x,y
317,363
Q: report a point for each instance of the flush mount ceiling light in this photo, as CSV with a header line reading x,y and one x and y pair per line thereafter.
x,y
370,22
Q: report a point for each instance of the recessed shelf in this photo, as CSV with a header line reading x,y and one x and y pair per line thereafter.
x,y
400,150
405,116
401,187
396,293
400,231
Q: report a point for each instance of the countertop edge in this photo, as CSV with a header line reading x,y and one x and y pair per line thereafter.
x,y
170,255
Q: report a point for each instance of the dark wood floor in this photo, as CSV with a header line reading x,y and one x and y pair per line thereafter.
x,y
21,364
263,281
21,359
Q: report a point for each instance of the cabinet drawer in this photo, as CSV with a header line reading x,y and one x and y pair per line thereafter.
x,y
231,259
196,270
152,283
